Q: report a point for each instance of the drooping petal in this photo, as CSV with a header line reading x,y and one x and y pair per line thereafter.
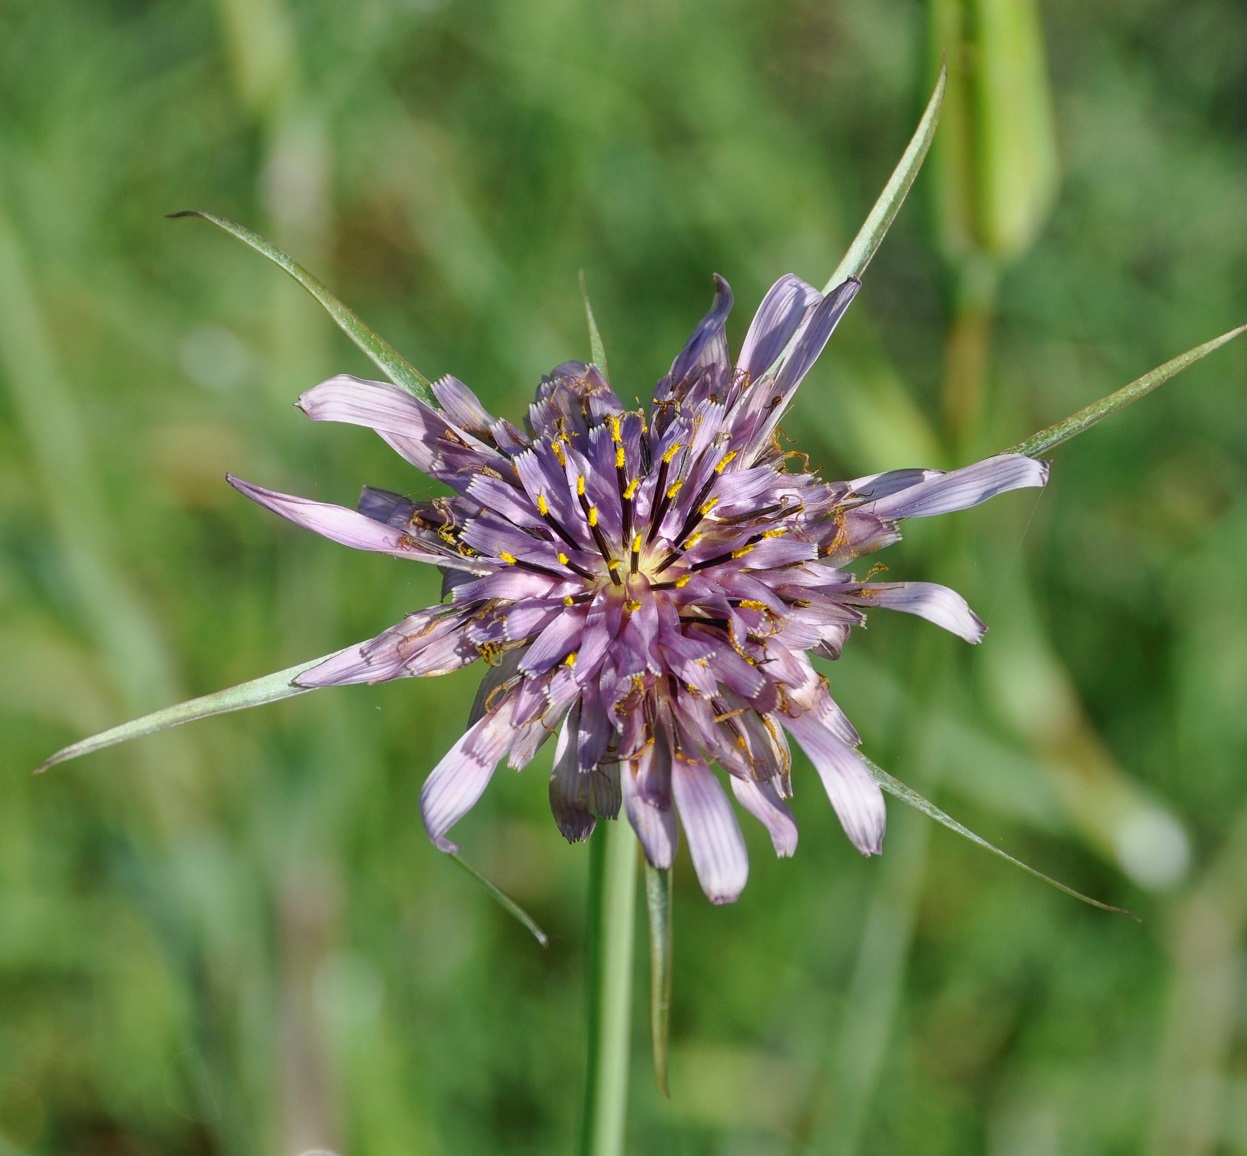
x,y
928,600
854,794
646,784
714,839
762,801
455,784
963,488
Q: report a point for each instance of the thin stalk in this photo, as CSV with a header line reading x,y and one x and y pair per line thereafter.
x,y
612,920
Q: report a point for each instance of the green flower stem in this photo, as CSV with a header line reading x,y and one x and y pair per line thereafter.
x,y
612,918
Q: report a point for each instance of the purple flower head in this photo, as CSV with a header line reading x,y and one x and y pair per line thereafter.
x,y
647,586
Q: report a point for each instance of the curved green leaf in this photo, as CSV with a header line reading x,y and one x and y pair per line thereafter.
x,y
880,218
505,901
270,688
1073,425
597,351
917,801
392,363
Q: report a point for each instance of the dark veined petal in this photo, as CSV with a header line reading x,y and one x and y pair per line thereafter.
x,y
347,527
780,315
462,406
714,839
455,784
706,351
928,600
569,789
762,801
963,488
854,794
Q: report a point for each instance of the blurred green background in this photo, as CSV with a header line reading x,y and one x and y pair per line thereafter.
x,y
235,938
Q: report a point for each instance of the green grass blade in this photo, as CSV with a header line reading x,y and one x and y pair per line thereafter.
x,y
597,351
257,692
1073,425
392,363
504,901
910,796
658,900
894,192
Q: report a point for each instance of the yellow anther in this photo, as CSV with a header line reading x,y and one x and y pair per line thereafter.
x,y
774,533
632,605
612,564
707,506
671,453
559,455
630,492
543,507
593,515
683,580
692,540
580,485
509,559
570,660
752,604
614,424
636,543
563,558
723,464
674,488
619,457
568,600
742,551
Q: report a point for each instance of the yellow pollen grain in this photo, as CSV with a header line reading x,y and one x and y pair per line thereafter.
x,y
570,660
674,488
630,492
614,424
559,455
671,453
580,485
683,580
724,463
774,533
707,506
742,551
752,604
568,600
509,559
692,540
543,507
619,457
593,515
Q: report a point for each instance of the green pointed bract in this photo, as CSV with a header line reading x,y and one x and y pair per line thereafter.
x,y
1084,419
880,218
392,363
658,900
257,692
597,351
918,802
504,901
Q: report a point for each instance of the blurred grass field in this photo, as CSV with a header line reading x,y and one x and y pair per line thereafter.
x,y
235,938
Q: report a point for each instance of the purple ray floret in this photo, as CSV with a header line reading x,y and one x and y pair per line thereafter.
x,y
647,586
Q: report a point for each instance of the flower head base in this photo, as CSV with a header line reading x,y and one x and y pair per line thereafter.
x,y
644,585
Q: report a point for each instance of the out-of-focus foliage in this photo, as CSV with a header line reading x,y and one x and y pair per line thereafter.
x,y
236,939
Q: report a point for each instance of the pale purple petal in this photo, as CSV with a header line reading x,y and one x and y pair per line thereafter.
x,y
779,317
762,801
646,784
339,524
962,488
928,600
455,784
714,839
854,794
